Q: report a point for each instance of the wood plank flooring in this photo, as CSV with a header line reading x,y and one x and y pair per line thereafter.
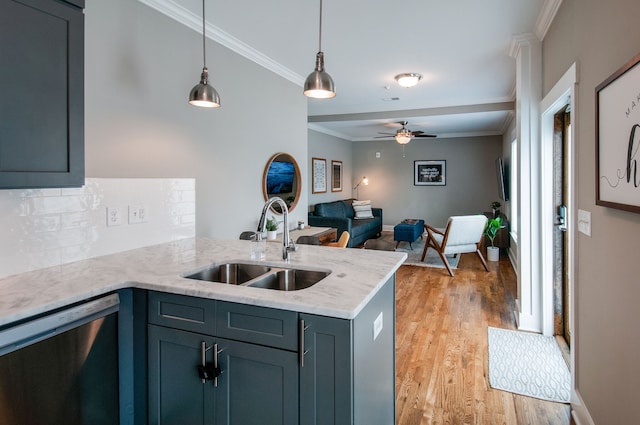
x,y
442,372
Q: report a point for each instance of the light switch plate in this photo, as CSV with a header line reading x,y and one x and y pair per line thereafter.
x,y
377,326
584,222
137,214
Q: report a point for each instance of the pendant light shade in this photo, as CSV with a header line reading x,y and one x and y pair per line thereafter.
x,y
203,94
319,83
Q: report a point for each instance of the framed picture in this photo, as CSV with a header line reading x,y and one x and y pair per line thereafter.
x,y
618,139
336,176
429,173
319,175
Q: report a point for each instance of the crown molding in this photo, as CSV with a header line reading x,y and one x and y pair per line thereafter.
x,y
546,16
517,41
194,22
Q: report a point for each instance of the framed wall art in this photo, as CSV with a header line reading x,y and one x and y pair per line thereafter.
x,y
618,139
319,175
430,173
336,176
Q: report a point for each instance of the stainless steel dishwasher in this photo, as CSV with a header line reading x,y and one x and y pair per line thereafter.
x,y
62,368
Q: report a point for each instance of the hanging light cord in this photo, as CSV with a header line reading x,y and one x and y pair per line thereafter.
x,y
320,30
204,49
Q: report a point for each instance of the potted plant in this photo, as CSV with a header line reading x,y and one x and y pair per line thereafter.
x,y
495,207
272,228
491,231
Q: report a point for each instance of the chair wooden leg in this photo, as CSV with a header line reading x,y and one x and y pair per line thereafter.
x,y
484,263
424,251
446,263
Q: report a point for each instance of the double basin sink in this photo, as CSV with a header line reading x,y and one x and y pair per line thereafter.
x,y
259,276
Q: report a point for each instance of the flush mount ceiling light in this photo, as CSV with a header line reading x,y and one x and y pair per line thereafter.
x,y
203,94
408,79
319,83
403,136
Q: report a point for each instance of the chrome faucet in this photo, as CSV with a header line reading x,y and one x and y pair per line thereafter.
x,y
287,243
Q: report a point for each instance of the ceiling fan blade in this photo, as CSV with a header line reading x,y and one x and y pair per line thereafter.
x,y
424,135
384,137
390,134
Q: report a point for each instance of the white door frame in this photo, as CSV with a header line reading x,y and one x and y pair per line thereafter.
x,y
562,93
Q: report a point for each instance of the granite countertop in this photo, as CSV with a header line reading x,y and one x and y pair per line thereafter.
x,y
356,275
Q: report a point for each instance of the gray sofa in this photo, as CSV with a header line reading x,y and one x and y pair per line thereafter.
x,y
339,214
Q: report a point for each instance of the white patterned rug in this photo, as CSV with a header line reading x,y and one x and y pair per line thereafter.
x,y
528,364
413,255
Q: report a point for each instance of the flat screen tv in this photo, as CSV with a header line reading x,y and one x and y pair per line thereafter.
x,y
503,183
280,177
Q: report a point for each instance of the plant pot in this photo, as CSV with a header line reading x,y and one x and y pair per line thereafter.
x,y
493,253
272,234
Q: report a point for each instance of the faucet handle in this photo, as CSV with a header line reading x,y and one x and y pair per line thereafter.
x,y
292,246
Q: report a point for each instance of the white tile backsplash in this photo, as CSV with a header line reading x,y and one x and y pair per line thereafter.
x,y
48,227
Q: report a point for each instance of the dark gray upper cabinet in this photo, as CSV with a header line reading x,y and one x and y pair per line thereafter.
x,y
41,93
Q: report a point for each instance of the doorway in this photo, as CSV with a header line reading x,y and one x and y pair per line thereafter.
x,y
561,281
558,209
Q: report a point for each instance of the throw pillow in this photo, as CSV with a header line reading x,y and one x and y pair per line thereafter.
x,y
362,209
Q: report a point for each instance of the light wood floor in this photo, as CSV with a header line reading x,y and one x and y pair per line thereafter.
x,y
441,348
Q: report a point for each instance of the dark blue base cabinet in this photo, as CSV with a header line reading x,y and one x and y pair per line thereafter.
x,y
266,366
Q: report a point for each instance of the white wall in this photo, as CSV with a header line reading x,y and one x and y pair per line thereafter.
x,y
140,67
471,183
331,148
600,37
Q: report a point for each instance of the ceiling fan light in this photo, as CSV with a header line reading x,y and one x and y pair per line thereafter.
x,y
203,94
319,84
403,136
408,79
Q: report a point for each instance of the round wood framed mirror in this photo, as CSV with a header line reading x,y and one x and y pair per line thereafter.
x,y
281,178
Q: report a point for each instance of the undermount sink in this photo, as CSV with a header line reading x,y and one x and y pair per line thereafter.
x,y
259,276
231,273
289,279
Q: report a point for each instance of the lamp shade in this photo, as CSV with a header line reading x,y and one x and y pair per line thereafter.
x,y
203,94
319,83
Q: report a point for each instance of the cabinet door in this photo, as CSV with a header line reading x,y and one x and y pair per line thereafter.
x,y
326,384
177,395
42,94
258,385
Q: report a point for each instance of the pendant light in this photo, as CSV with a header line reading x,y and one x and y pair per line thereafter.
x,y
203,94
319,84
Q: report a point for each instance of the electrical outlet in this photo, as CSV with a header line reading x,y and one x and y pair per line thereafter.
x,y
114,216
137,214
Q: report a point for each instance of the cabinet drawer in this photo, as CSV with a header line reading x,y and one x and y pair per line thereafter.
x,y
257,325
182,312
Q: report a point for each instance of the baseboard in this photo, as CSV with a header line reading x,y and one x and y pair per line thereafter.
x,y
579,411
387,227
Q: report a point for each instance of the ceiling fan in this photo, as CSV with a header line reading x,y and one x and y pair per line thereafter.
x,y
404,135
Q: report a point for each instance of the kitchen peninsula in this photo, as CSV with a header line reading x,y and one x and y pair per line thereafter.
x,y
337,364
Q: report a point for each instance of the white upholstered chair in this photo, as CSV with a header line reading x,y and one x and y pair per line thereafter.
x,y
462,235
